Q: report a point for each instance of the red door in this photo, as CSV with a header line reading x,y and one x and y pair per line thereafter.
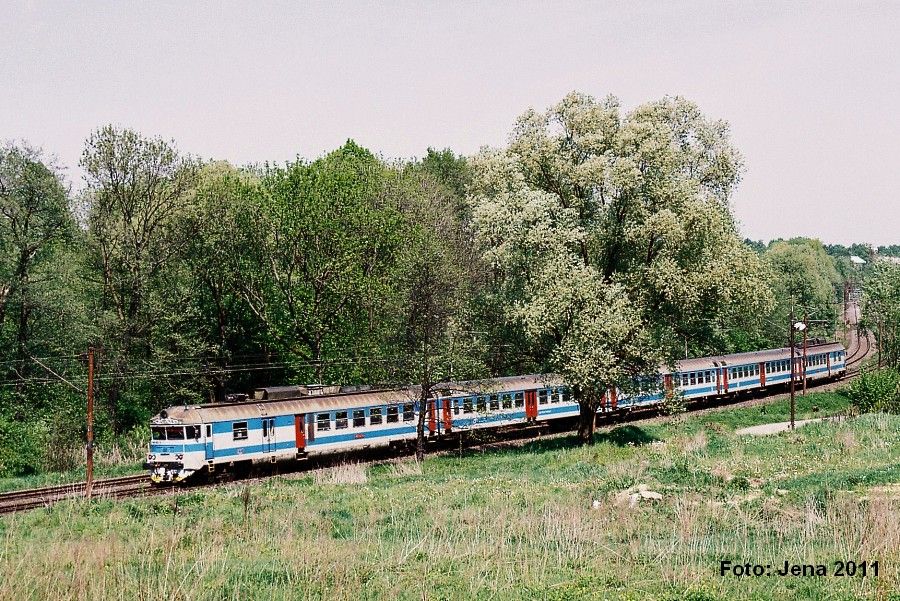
x,y
613,399
667,383
762,374
828,362
725,378
298,432
448,419
531,408
432,419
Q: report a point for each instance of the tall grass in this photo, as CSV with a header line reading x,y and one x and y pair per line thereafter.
x,y
540,522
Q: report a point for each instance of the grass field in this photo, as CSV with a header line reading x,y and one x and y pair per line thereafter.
x,y
547,520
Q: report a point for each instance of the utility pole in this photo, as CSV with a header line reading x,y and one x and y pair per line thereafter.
x,y
805,322
89,478
793,400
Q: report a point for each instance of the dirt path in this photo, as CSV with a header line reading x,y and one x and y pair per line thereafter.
x,y
777,427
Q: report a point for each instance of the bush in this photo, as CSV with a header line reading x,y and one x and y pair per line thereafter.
x,y
673,403
875,391
21,447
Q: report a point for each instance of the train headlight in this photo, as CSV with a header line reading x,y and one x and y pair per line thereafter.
x,y
179,456
151,457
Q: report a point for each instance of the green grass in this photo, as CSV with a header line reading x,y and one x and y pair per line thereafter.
x,y
511,524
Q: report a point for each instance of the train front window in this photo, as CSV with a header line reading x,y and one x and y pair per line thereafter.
x,y
175,433
158,433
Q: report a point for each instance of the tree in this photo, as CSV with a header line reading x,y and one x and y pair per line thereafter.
x,y
804,275
881,310
612,238
436,273
35,214
137,192
320,241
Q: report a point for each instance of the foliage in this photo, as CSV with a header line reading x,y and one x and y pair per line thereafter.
x,y
877,390
881,310
612,239
805,277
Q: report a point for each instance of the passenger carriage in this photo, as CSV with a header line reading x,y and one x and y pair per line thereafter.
x,y
292,422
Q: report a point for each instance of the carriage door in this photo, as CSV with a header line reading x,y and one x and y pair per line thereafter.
x,y
208,442
268,434
531,408
298,432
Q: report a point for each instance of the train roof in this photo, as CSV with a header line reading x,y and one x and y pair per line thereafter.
x,y
749,358
495,385
198,414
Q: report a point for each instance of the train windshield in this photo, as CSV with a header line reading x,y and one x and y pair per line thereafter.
x,y
169,433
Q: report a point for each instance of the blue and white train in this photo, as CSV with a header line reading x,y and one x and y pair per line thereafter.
x,y
293,422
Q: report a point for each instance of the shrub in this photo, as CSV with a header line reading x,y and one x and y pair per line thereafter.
x,y
876,391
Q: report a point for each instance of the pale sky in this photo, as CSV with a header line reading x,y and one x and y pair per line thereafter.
x,y
812,90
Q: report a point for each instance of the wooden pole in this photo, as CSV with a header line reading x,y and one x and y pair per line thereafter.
x,y
89,478
806,324
793,399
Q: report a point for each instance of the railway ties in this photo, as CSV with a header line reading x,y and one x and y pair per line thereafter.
x,y
116,488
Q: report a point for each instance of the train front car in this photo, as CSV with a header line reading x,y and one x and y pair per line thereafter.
x,y
177,446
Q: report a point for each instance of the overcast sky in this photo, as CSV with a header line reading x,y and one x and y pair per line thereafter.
x,y
812,91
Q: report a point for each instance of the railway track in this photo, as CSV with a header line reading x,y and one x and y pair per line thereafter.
x,y
114,488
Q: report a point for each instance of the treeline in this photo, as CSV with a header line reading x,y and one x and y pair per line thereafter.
x,y
596,243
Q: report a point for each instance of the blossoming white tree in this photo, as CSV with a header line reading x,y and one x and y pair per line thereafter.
x,y
612,238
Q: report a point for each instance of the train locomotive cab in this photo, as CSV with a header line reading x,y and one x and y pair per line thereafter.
x,y
176,449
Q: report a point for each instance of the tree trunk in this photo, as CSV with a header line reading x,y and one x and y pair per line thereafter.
x,y
420,426
587,419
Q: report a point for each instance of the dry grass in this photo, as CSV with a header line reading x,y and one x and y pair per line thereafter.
x,y
345,473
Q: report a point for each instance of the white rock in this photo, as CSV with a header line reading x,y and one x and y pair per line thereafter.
x,y
649,494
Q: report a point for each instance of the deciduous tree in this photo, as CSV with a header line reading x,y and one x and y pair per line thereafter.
x,y
613,239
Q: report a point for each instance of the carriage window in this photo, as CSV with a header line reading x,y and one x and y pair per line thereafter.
x,y
542,397
455,404
340,420
557,396
408,412
359,418
393,414
323,421
158,433
375,415
565,395
693,377
495,402
481,404
239,430
209,431
507,401
467,405
520,399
